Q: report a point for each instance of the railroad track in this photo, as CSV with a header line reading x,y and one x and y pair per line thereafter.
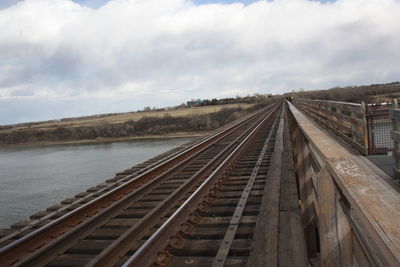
x,y
67,205
215,226
119,223
41,218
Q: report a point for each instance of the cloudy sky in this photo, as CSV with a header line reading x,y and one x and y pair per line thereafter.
x,y
62,58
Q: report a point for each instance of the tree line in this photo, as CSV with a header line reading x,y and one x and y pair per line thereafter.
x,y
143,127
355,94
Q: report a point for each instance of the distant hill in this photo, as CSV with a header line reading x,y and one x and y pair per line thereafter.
x,y
205,116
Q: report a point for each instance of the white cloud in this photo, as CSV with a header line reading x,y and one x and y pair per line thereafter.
x,y
162,52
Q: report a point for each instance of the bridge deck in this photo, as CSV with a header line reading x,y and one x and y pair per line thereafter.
x,y
270,190
252,206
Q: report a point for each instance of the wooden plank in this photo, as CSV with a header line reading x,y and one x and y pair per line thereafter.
x,y
205,261
207,221
329,241
292,250
374,202
326,102
344,233
89,246
265,244
344,128
292,245
71,260
289,199
301,174
308,208
360,258
315,181
301,166
314,199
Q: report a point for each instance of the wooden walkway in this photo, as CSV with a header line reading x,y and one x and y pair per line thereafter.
x,y
279,239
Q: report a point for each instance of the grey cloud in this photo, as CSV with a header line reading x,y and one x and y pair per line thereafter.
x,y
129,54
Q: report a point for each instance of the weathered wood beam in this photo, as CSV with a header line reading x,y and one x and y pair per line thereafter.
x,y
371,201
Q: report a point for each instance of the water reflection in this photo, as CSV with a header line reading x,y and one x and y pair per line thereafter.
x,y
31,179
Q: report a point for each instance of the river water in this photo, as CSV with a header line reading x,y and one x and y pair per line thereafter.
x,y
31,179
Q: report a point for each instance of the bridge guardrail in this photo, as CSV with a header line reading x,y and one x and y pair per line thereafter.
x,y
354,211
395,117
346,119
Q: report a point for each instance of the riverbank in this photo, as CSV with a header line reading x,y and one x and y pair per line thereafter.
x,y
145,128
101,140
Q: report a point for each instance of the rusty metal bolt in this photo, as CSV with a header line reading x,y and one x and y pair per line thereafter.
x,y
194,218
186,228
175,240
163,258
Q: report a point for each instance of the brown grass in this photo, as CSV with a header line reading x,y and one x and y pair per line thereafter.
x,y
123,117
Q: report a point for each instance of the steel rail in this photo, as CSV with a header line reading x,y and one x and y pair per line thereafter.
x,y
34,223
148,251
123,244
225,247
78,201
60,244
36,239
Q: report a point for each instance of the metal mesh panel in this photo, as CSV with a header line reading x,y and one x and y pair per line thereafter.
x,y
380,127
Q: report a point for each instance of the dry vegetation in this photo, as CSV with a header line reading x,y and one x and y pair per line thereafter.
x,y
116,118
139,124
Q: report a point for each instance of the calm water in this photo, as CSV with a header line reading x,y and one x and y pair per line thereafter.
x,y
31,179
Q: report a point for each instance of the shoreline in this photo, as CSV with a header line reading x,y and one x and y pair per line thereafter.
x,y
106,140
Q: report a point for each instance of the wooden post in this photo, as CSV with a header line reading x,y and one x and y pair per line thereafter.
x,y
353,127
334,228
344,232
303,167
329,241
395,116
365,127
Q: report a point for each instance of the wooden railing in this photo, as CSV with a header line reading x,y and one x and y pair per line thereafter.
x,y
395,116
354,214
346,119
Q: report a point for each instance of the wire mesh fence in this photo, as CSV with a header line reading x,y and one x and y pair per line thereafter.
x,y
379,129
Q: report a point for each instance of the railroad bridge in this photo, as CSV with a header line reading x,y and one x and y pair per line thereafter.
x,y
273,188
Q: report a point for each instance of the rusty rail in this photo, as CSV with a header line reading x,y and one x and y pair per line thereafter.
x,y
346,119
146,254
354,214
120,246
75,221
